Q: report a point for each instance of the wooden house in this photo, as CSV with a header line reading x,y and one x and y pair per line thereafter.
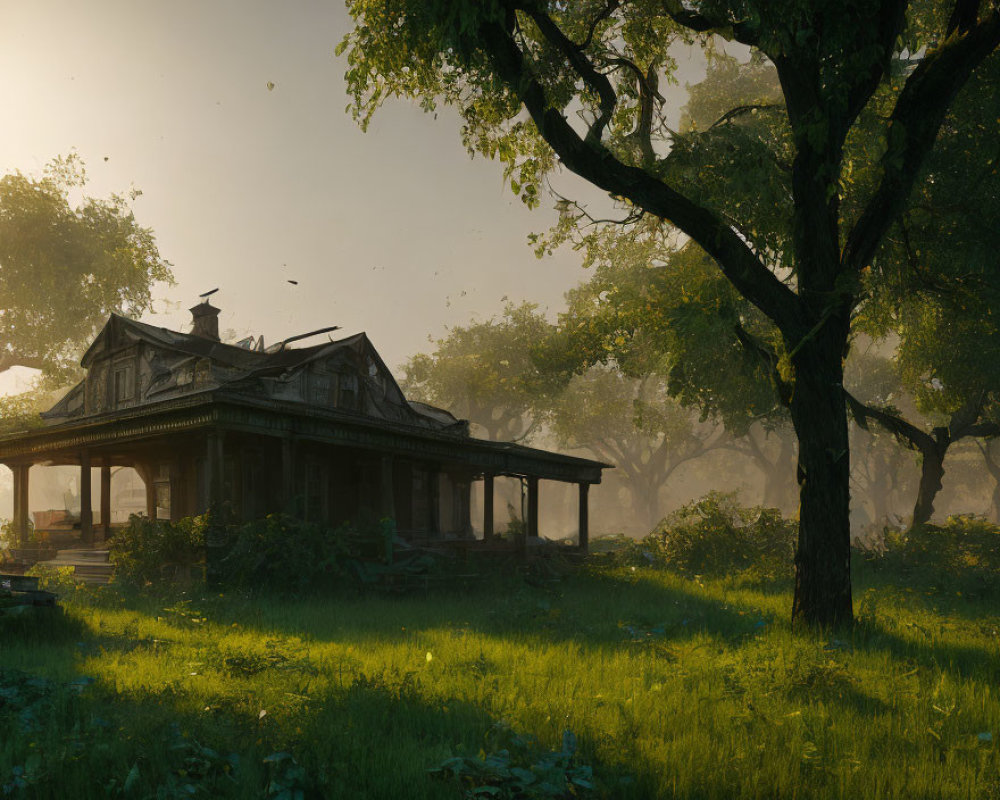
x,y
320,431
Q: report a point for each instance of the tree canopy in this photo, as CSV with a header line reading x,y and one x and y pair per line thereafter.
x,y
67,261
486,373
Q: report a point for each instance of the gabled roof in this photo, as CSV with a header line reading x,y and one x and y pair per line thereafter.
x,y
245,370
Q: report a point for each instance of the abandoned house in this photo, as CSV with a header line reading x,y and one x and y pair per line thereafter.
x,y
322,431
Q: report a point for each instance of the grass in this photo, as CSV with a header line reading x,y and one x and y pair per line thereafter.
x,y
674,687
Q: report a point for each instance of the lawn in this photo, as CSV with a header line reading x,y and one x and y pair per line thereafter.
x,y
670,687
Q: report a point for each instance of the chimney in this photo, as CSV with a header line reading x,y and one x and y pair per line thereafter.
x,y
206,321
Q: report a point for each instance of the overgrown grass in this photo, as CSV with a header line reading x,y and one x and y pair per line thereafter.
x,y
673,687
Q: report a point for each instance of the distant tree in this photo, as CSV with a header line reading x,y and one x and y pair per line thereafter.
x,y
633,424
485,372
66,264
941,295
788,224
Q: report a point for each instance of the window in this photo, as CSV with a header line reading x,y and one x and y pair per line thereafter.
x,y
348,391
123,382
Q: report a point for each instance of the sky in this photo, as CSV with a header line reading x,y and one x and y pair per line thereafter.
x,y
395,231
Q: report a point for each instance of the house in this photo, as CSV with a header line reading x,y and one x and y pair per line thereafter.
x,y
321,431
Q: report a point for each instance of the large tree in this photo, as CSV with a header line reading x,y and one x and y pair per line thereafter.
x,y
67,261
587,75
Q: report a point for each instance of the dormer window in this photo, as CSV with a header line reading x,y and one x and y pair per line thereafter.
x,y
123,384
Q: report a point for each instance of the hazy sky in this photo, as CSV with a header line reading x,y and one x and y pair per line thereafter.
x,y
396,232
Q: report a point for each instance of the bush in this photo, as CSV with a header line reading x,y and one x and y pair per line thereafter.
x,y
156,551
280,553
717,536
965,551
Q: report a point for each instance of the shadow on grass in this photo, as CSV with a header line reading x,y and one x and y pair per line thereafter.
x,y
376,737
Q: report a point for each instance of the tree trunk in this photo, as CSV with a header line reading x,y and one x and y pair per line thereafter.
x,y
931,475
645,501
823,557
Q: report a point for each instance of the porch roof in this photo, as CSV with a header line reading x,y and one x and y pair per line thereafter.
x,y
219,409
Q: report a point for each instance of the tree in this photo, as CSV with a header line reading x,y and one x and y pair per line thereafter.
x,y
653,307
942,296
65,267
634,425
587,74
485,372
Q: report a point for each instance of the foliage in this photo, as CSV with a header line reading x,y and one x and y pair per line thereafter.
x,y
520,771
487,373
8,536
717,536
153,552
67,267
282,554
963,553
19,412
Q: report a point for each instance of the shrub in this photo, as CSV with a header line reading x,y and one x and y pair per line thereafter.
x,y
156,551
717,536
964,551
280,553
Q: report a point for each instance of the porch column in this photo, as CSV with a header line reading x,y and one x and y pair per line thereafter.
x,y
106,497
86,500
21,472
583,541
487,507
532,521
387,497
147,478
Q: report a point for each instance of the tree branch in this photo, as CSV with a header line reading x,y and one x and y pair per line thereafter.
x,y
606,12
914,124
906,433
9,359
738,262
597,81
702,23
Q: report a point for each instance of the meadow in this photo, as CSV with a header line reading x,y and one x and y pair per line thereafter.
x,y
606,680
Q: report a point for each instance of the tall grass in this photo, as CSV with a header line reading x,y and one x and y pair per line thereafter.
x,y
674,687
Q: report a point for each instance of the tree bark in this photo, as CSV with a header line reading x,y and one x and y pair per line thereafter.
x,y
823,557
931,475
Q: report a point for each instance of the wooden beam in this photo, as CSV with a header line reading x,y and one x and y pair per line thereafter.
x,y
86,499
21,472
106,497
488,507
532,521
146,473
583,540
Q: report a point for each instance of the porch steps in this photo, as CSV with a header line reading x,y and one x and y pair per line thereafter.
x,y
90,566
